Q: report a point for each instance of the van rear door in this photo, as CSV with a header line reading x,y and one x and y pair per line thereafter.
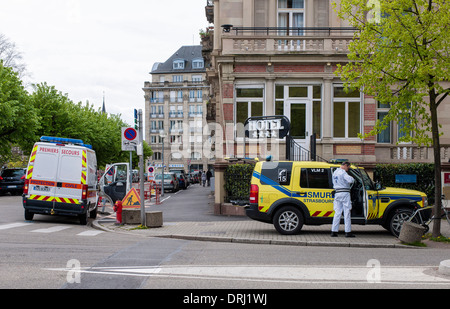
x,y
70,174
42,171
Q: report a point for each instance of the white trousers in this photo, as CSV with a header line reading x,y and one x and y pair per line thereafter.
x,y
342,202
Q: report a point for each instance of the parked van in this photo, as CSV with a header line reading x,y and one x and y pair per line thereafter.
x,y
291,194
61,179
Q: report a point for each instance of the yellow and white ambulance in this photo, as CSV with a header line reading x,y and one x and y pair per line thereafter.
x,y
61,179
290,194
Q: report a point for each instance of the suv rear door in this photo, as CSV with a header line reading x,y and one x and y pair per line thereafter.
x,y
314,188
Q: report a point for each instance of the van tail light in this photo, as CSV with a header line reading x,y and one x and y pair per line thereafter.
x,y
84,193
25,186
254,191
171,182
1,178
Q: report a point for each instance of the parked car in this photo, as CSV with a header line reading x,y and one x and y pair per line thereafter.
x,y
181,175
12,180
170,181
291,194
194,177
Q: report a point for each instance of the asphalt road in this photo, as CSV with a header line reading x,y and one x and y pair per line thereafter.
x,y
57,252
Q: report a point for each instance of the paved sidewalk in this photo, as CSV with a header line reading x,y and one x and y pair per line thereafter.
x,y
244,230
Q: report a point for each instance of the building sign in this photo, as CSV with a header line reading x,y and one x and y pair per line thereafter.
x,y
404,178
267,127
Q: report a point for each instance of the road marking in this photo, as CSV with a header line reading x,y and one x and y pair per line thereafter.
x,y
52,229
292,274
166,198
90,233
13,225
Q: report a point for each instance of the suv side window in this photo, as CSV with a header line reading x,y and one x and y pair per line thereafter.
x,y
277,172
318,178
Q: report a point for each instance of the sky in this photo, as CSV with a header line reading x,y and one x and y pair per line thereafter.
x,y
89,47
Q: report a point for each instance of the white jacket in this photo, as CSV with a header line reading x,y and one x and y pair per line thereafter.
x,y
342,181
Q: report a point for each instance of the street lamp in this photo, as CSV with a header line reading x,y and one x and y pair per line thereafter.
x,y
163,135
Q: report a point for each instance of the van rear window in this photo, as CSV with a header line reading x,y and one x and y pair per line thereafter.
x,y
278,173
45,166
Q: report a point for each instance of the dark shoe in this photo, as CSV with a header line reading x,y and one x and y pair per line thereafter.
x,y
334,234
349,235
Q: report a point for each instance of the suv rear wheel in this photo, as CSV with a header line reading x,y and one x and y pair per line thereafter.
x,y
288,220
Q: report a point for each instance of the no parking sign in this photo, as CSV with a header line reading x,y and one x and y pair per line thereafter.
x,y
130,139
151,176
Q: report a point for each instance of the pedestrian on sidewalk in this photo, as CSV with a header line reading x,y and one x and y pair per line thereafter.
x,y
208,177
204,178
342,202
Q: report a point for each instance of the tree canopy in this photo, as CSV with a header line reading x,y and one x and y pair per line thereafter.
x,y
25,117
400,55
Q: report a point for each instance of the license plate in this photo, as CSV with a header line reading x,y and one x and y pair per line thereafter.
x,y
11,187
41,188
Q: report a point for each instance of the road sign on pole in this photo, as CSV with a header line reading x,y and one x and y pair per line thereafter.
x,y
130,139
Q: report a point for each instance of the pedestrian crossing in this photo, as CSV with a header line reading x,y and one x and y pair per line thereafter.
x,y
48,229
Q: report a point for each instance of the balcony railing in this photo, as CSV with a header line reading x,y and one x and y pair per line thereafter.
x,y
274,40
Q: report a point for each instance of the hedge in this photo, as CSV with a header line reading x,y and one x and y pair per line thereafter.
x,y
385,173
237,182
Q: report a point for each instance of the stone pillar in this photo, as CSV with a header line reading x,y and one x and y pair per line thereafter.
x,y
219,185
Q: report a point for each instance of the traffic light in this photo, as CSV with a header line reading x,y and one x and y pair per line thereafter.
x,y
136,125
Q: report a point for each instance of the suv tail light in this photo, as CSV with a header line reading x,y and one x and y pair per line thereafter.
x,y
25,186
254,191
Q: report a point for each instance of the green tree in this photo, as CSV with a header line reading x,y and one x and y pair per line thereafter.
x,y
63,118
18,118
401,56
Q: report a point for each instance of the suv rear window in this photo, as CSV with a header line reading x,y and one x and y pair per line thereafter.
x,y
13,173
318,178
277,172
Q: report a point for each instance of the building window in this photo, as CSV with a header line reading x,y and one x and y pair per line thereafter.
x,y
198,64
385,135
197,78
291,16
346,113
177,78
311,93
249,103
157,156
178,64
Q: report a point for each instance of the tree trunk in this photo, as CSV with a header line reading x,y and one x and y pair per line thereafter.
x,y
437,164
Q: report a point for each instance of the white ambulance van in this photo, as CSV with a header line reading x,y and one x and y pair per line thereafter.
x,y
61,179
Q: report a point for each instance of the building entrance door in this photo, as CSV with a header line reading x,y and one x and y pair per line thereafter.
x,y
299,113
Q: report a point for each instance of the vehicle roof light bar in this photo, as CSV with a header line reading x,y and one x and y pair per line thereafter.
x,y
61,140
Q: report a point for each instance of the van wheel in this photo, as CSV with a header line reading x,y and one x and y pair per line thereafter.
x,y
397,218
84,218
28,215
93,213
288,220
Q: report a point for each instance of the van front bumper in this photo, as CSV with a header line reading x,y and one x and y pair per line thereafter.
x,y
53,208
253,213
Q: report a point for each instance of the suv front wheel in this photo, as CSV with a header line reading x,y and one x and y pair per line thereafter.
x,y
398,218
288,220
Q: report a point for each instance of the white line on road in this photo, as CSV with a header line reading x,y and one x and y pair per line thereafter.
x,y
166,198
90,233
13,225
52,229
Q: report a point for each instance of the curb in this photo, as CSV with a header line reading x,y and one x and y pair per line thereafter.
x,y
97,225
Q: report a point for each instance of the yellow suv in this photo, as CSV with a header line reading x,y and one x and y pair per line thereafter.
x,y
290,194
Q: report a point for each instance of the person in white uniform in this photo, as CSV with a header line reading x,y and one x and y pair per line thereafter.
x,y
342,202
